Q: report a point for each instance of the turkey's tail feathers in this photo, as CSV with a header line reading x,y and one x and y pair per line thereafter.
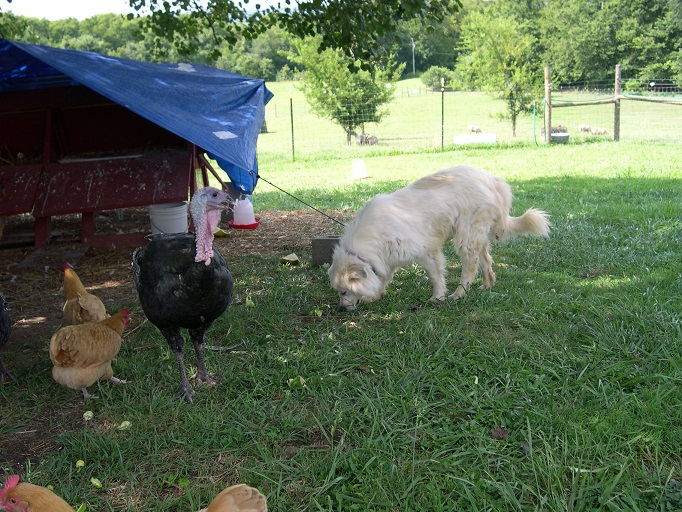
x,y
135,265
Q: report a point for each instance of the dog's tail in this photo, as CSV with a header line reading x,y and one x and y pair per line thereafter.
x,y
533,222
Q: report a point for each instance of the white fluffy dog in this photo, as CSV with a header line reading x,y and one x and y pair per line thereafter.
x,y
411,225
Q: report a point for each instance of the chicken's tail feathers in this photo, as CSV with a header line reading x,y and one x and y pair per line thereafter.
x,y
72,283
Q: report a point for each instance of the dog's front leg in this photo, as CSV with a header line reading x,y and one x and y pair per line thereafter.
x,y
385,282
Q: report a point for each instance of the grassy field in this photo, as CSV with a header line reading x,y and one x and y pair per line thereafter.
x,y
559,389
421,120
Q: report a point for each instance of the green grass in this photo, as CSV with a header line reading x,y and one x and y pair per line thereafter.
x,y
576,353
419,120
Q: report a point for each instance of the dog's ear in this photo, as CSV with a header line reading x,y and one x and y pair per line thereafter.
x,y
355,272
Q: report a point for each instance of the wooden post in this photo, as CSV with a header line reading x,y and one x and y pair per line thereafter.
x,y
548,107
42,226
616,105
291,116
87,227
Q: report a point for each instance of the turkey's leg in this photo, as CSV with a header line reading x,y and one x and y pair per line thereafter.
x,y
5,375
203,377
176,343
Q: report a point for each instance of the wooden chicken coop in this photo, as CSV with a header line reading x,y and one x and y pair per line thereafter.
x,y
65,148
69,150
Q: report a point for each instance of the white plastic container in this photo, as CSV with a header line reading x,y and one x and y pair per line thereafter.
x,y
243,213
168,218
358,169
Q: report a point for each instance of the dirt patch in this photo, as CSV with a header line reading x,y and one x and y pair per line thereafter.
x,y
32,279
32,282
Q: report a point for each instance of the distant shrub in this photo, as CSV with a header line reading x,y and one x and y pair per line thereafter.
x,y
285,73
632,86
433,75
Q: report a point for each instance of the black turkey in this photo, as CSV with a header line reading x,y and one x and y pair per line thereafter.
x,y
183,282
5,330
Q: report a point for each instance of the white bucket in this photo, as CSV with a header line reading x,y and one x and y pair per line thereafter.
x,y
168,218
358,170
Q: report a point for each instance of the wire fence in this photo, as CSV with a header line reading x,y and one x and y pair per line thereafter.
x,y
640,109
419,119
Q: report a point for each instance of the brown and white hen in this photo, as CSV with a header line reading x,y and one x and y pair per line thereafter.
x,y
82,354
80,306
25,497
238,498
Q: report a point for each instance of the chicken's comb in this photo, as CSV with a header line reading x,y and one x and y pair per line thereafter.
x,y
11,481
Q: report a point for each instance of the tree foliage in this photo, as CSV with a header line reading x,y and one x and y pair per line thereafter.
x,y
425,45
354,27
433,77
577,39
581,40
11,25
349,99
501,61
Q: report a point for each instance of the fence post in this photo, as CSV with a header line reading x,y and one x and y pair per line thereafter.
x,y
548,107
291,116
616,105
442,113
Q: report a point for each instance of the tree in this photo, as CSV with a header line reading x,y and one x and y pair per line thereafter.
x,y
11,25
262,57
433,77
578,41
500,61
675,7
435,44
350,99
583,40
353,26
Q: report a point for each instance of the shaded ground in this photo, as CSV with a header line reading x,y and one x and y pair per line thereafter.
x,y
32,282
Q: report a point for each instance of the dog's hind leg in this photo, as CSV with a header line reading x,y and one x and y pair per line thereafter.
x,y
486,265
469,253
434,264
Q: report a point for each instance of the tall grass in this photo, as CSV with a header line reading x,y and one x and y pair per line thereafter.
x,y
559,389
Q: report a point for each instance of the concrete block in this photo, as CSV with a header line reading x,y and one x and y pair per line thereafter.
x,y
323,248
558,138
475,138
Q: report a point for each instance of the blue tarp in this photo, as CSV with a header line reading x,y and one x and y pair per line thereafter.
x,y
219,111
